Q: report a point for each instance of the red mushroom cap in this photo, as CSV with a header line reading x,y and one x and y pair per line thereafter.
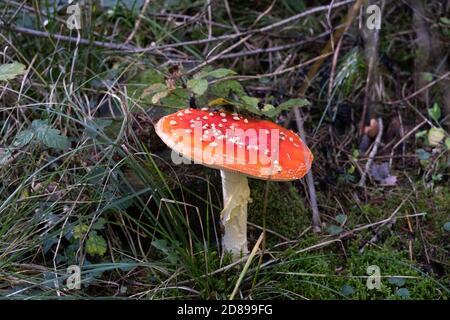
x,y
228,141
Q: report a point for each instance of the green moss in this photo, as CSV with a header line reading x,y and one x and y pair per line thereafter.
x,y
286,213
332,276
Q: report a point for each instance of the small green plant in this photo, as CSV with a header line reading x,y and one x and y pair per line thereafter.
x,y
210,87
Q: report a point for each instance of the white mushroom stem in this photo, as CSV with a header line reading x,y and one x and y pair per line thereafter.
x,y
236,195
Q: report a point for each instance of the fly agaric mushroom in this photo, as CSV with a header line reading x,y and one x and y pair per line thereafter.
x,y
238,147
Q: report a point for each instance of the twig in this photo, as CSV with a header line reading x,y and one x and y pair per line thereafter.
x,y
152,49
138,21
316,223
273,49
214,58
372,154
403,139
432,83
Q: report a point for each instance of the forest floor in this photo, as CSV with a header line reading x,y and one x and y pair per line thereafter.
x,y
86,182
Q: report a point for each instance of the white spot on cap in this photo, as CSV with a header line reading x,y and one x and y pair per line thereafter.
x,y
236,118
187,111
172,122
245,120
205,117
223,114
205,109
213,144
224,120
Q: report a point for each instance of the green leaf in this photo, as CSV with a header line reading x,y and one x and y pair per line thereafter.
x,y
5,156
11,70
347,290
422,154
177,98
427,77
150,76
251,104
95,244
163,246
334,229
341,219
200,75
447,226
221,73
293,103
398,281
421,134
435,112
36,124
22,138
198,86
99,224
52,138
269,110
435,136
80,230
447,143
226,88
445,20
403,293
160,244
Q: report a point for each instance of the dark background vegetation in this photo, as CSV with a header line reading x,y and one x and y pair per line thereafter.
x,y
84,180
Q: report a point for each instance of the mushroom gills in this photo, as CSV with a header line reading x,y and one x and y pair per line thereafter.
x,y
236,195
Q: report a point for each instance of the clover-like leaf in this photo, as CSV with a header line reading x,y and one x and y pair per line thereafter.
x,y
447,226
398,281
334,229
347,290
403,293
95,244
341,218
80,230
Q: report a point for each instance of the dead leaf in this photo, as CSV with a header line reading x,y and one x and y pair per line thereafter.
x,y
380,173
